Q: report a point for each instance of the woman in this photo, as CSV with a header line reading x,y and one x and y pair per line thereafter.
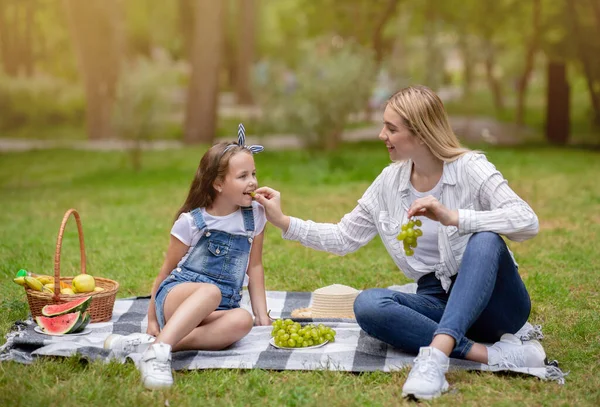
x,y
469,288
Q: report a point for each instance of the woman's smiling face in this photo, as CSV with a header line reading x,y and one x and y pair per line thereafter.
x,y
398,139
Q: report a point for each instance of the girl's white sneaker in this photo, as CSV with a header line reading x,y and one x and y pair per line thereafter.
x,y
125,344
155,367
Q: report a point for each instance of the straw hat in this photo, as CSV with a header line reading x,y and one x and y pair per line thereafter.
x,y
333,301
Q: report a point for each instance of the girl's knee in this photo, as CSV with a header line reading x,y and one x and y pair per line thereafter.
x,y
210,291
243,321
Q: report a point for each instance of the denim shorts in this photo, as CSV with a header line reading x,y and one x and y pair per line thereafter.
x,y
229,300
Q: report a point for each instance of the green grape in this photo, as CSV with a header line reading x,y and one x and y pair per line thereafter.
x,y
410,252
410,224
402,235
418,232
418,222
404,227
291,343
410,240
410,232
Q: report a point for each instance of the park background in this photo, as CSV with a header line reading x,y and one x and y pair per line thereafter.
x,y
107,106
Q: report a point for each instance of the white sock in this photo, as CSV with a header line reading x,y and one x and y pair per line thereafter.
x,y
493,355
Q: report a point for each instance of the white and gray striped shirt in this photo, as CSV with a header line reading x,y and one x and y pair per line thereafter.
x,y
470,184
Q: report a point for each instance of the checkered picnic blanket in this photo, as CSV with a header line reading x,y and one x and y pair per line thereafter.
x,y
352,351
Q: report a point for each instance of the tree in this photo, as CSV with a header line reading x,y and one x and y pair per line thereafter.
x,y
16,36
532,48
557,108
97,39
203,90
246,45
587,44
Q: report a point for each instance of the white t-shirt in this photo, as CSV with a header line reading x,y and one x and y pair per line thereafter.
x,y
427,252
187,232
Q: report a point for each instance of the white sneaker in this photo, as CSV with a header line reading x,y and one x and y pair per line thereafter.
x,y
155,367
124,345
427,379
510,352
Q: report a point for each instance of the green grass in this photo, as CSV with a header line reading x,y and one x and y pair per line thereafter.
x,y
127,216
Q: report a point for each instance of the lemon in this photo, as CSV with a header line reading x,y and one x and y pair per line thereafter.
x,y
83,283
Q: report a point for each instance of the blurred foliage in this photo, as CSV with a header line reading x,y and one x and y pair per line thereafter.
x,y
441,44
41,100
331,81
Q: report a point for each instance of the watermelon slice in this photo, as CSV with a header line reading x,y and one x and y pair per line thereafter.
x,y
79,304
84,319
58,325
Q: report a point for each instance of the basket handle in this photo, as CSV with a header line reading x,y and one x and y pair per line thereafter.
x,y
61,232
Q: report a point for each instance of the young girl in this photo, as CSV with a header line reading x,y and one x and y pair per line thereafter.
x,y
216,241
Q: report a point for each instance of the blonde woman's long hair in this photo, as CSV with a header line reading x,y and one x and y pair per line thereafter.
x,y
423,113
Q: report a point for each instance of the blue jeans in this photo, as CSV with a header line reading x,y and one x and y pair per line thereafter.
x,y
486,300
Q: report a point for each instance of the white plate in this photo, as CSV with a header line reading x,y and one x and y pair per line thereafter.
x,y
272,342
84,332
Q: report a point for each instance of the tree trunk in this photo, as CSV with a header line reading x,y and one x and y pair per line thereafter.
x,y
467,57
388,13
532,49
97,41
229,61
9,37
186,25
492,80
203,91
246,45
584,53
27,48
557,104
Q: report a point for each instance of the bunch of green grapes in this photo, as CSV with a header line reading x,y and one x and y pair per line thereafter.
x,y
290,334
409,235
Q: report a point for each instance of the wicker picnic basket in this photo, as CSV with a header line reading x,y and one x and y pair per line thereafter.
x,y
102,303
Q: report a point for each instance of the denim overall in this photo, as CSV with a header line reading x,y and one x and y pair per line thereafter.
x,y
219,258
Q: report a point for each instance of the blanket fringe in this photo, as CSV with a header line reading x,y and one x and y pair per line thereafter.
x,y
554,373
5,350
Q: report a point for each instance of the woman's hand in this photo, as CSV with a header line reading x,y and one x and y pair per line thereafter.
x,y
270,199
433,209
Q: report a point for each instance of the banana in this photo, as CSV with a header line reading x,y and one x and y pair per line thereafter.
x,y
49,287
34,283
45,279
19,280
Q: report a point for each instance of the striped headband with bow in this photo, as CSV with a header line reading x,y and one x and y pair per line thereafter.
x,y
242,142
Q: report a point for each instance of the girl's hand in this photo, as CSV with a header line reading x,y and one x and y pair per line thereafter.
x,y
262,320
433,209
153,327
270,199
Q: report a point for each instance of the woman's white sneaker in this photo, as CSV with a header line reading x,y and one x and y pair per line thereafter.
x,y
124,345
155,367
510,352
427,378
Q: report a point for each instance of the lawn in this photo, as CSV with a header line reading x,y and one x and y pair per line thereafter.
x,y
127,217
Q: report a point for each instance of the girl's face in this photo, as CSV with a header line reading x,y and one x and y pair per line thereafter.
x,y
240,180
400,142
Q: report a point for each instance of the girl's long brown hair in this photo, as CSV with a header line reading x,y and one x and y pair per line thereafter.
x,y
213,167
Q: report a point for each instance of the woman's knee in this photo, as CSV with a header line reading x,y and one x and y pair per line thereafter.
x,y
486,239
368,304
